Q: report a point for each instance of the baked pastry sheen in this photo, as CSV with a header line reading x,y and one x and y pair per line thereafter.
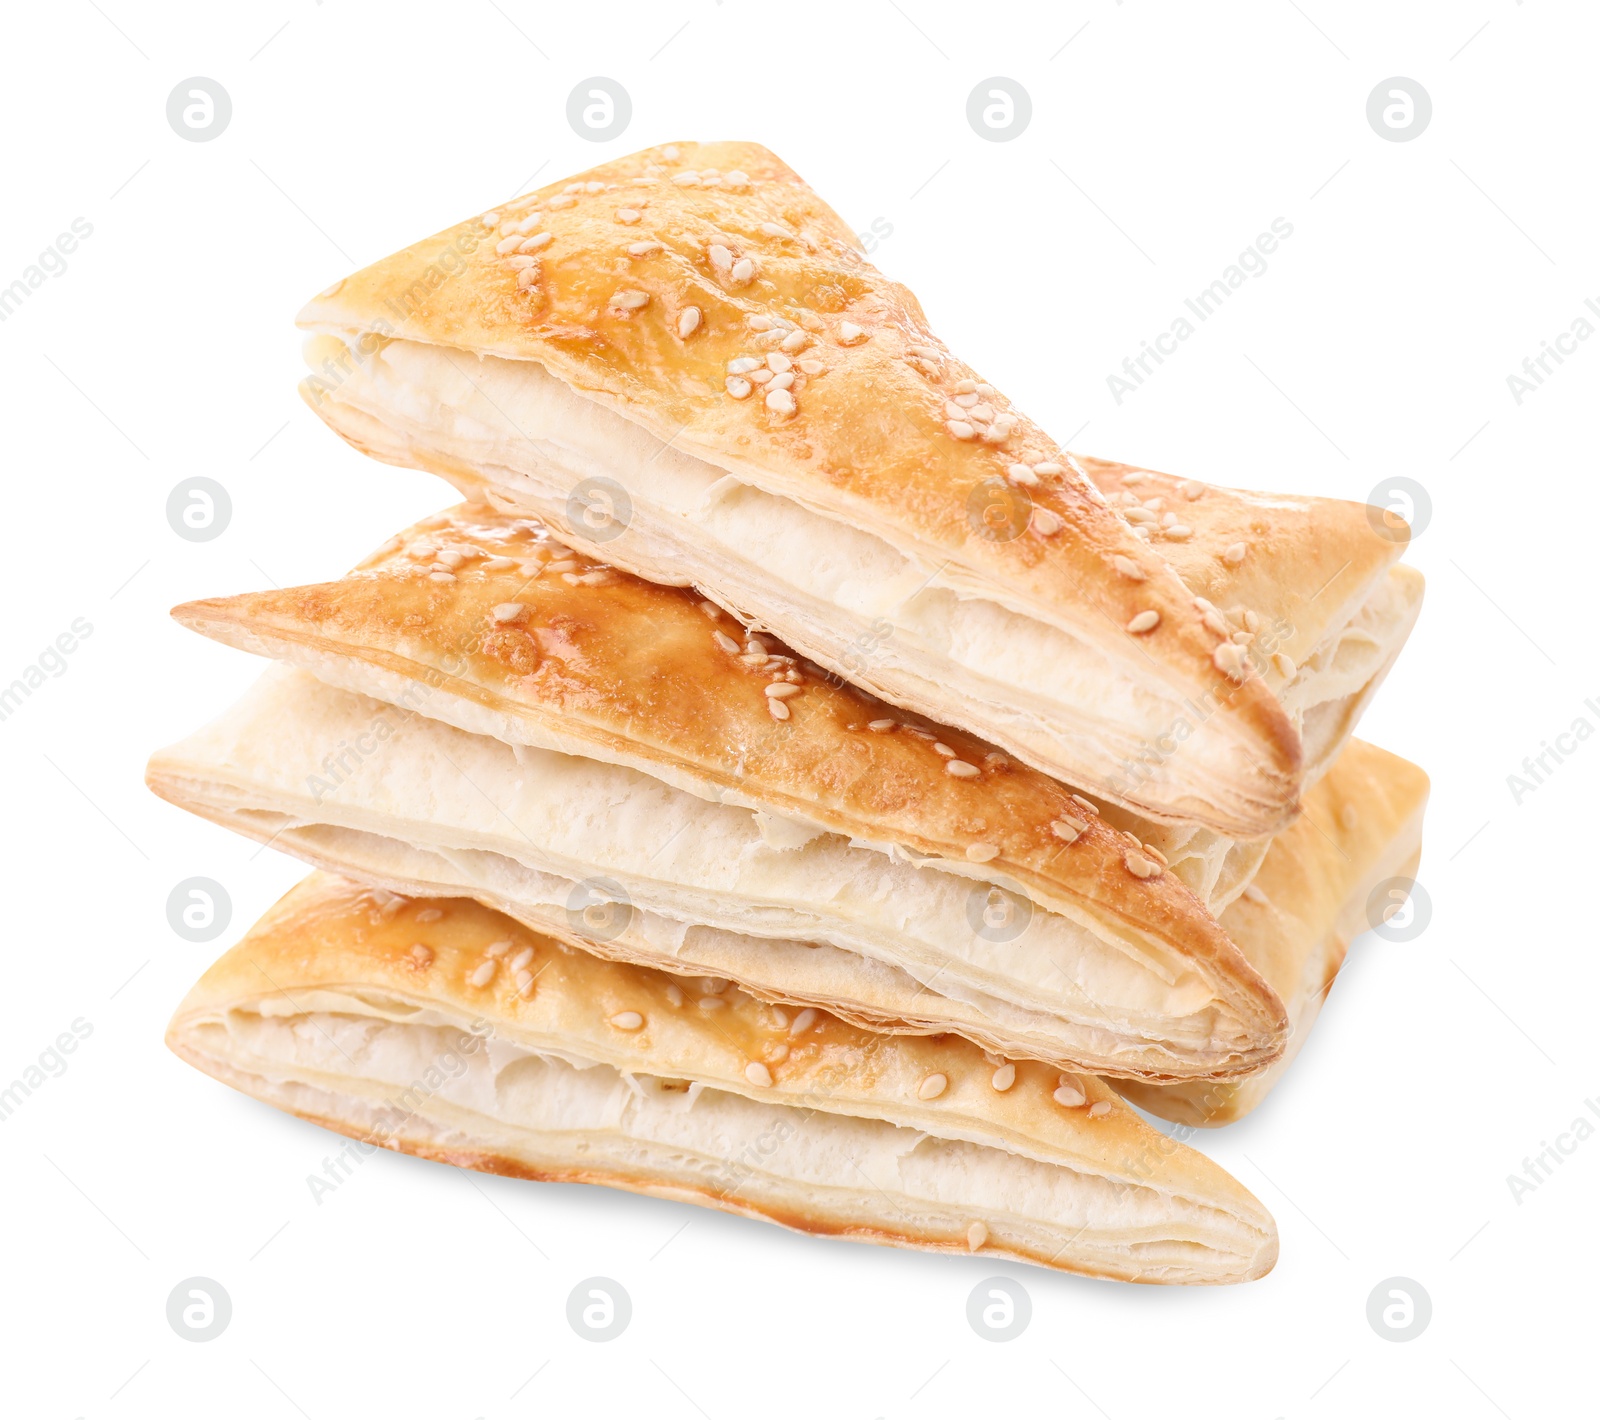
x,y
685,358
442,1029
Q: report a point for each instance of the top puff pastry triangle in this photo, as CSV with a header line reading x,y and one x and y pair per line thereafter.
x,y
682,361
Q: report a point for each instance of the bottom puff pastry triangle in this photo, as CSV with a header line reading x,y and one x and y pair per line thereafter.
x,y
444,1029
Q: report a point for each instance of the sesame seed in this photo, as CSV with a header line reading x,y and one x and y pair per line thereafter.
x,y
777,709
744,271
689,179
1232,555
1128,568
1190,489
1254,894
1004,1078
1084,803
537,242
735,179
509,611
1139,865
1285,665
977,1236
1099,1109
441,576
559,204
500,948
507,245
781,402
490,219
961,769
627,1020
880,726
738,386
932,1087
1144,621
421,955
711,1003
781,690
1252,622
726,642
483,974
743,365
778,362
524,980
761,375
1068,829
627,300
1139,515
562,564
629,215
714,985
810,367
1230,660
850,333
521,959
758,1074
967,387
643,248
925,352
803,1022
960,429
1069,1093
1044,470
982,852
1045,523
1155,853
1180,532
674,993
795,340
1021,473
757,322
781,382
939,747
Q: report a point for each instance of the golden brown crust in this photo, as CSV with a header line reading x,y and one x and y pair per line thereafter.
x,y
873,436
1361,823
633,672
328,934
1301,565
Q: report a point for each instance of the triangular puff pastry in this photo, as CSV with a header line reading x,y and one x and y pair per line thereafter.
x,y
1361,826
1053,950
487,622
682,361
442,1029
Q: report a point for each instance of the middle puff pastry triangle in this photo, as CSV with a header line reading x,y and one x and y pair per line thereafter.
x,y
1049,949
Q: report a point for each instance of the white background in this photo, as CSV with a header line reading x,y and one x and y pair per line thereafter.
x,y
1164,138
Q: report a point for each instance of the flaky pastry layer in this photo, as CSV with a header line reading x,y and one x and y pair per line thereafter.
x,y
443,1029
1120,986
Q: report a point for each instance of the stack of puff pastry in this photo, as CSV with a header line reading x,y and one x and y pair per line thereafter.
x,y
790,782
